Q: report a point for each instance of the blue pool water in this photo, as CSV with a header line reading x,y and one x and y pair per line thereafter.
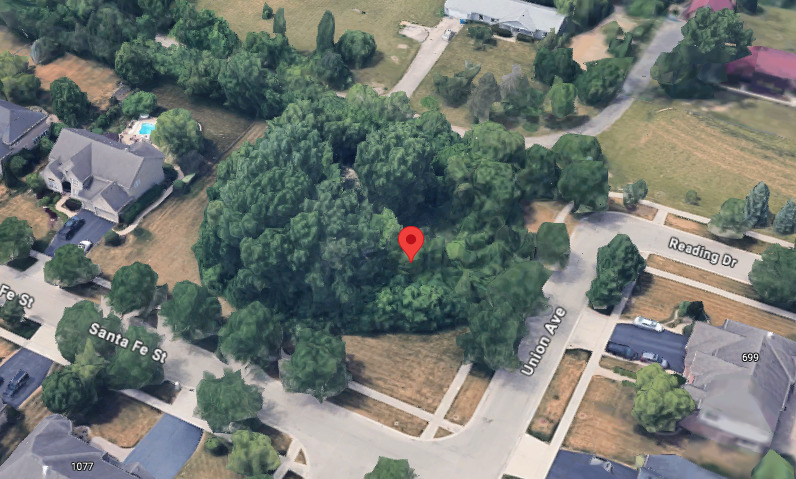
x,y
146,128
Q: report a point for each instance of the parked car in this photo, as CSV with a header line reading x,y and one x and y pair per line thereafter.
x,y
71,227
85,245
621,350
448,34
654,358
646,323
16,383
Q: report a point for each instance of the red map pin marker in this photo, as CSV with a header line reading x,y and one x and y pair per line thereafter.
x,y
411,240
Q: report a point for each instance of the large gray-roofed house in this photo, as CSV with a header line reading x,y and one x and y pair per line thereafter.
x,y
105,175
19,128
579,465
672,466
738,401
50,449
515,15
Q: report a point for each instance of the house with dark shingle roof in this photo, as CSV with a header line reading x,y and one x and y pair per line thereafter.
x,y
20,129
50,450
105,175
579,465
672,466
739,396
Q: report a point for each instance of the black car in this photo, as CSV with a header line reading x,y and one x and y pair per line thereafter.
x,y
16,383
621,350
72,225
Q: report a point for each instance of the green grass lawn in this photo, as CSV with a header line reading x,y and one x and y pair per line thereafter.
x,y
381,18
676,148
775,28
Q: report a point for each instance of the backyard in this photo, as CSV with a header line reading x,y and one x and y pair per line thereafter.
x,y
381,18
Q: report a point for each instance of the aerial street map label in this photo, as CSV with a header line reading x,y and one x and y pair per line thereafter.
x,y
119,340
535,355
701,252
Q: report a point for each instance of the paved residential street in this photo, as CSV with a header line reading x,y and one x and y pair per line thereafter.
x,y
35,365
670,346
93,230
166,447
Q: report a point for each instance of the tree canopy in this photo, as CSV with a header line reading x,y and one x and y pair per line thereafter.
x,y
222,401
387,468
483,97
177,132
785,220
585,183
12,312
552,244
17,83
562,99
139,103
72,331
317,367
774,276
731,220
356,47
128,368
192,312
16,239
324,41
618,264
660,401
634,192
602,81
756,208
132,288
773,466
252,334
549,64
70,267
70,104
252,454
73,389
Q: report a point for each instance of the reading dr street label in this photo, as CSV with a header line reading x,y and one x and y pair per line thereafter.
x,y
701,252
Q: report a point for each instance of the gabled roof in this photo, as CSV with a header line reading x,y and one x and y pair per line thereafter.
x,y
578,465
50,449
516,13
714,5
764,60
672,466
16,120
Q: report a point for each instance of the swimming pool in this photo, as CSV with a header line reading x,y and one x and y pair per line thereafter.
x,y
146,128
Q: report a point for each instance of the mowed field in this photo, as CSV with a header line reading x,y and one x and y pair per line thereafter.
x,y
656,298
380,18
774,28
676,151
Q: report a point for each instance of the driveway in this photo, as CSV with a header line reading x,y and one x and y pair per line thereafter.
x,y
166,447
93,230
35,365
428,54
668,345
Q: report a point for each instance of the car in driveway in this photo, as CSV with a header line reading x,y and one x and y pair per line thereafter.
x,y
621,350
16,383
646,323
648,357
85,245
71,227
448,35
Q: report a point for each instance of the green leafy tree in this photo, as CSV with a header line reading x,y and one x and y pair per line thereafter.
x,y
203,30
387,468
572,147
65,391
317,367
455,90
16,239
483,97
773,466
12,312
552,244
774,276
252,454
357,48
268,12
72,331
132,288
22,88
785,220
494,336
748,6
692,309
538,176
550,64
272,51
177,132
490,140
601,81
134,64
756,208
731,220
660,401
222,401
324,41
139,103
562,99
193,312
69,102
250,87
623,48
331,68
519,98
480,34
585,183
70,267
646,8
128,368
36,183
692,197
280,26
618,264
633,193
252,334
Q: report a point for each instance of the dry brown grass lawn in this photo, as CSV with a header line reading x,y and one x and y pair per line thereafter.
x,y
414,368
610,362
590,46
604,426
12,43
694,227
469,396
94,78
656,298
301,458
23,206
441,433
122,420
380,412
6,348
556,398
539,212
203,465
33,411
642,211
696,274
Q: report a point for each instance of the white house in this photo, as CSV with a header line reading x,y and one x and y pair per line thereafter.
x,y
515,15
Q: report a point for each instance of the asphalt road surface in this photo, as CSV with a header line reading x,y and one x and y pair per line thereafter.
x,y
35,365
166,447
93,230
670,346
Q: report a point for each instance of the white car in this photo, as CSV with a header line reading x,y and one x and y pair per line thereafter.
x,y
85,245
448,35
645,323
654,358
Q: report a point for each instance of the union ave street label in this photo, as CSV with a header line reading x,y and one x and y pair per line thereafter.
x,y
535,354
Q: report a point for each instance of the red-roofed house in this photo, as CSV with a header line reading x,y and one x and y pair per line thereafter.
x,y
714,5
765,67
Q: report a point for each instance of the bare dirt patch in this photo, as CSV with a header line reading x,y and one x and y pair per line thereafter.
x,y
642,211
470,395
380,412
97,80
556,398
604,426
538,212
414,368
694,227
121,420
202,464
591,45
656,298
696,274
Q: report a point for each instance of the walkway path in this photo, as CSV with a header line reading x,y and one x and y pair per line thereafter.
x,y
445,404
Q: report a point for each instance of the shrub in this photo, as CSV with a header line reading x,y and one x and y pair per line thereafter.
x,y
36,183
691,197
521,37
73,204
430,103
216,446
501,32
624,372
56,128
130,212
180,187
112,238
629,384
268,12
46,145
170,174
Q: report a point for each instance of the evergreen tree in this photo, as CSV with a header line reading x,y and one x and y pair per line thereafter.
x,y
633,193
280,26
756,209
785,221
268,12
324,41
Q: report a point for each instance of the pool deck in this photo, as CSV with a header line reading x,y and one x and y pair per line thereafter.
x,y
131,134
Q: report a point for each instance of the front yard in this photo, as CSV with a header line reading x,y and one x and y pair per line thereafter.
x,y
121,420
